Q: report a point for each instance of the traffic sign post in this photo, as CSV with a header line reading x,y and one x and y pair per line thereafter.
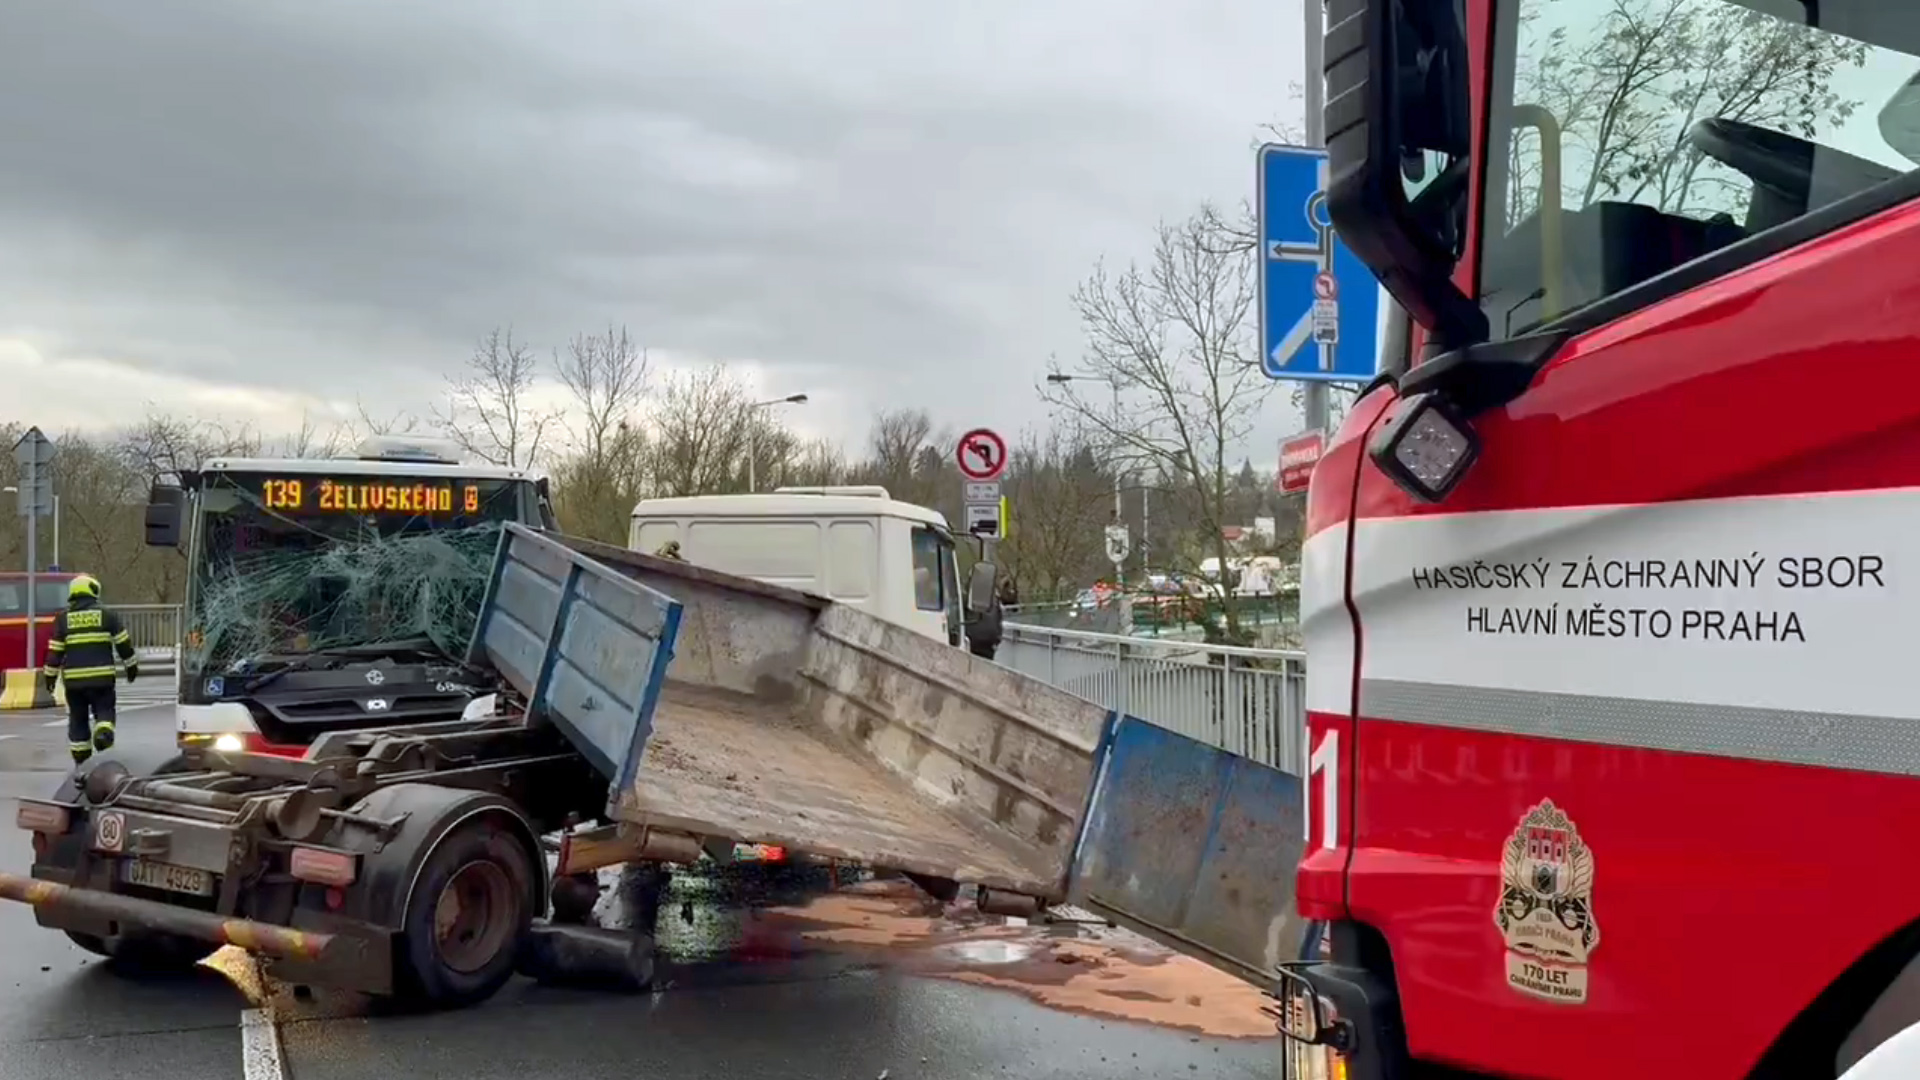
x,y
981,455
1319,304
34,454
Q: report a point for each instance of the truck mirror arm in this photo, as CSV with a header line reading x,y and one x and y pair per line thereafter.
x,y
1476,378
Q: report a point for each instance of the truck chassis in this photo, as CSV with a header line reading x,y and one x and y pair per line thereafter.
x,y
400,861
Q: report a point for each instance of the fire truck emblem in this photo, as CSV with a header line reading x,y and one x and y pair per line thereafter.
x,y
1546,906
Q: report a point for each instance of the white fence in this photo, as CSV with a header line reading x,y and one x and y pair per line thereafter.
x,y
1251,702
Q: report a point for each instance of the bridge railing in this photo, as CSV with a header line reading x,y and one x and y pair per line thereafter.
x,y
155,629
1250,702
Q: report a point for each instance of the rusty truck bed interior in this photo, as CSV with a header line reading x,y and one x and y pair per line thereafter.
x,y
754,770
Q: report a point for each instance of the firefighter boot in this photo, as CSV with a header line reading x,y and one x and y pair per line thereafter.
x,y
103,735
80,751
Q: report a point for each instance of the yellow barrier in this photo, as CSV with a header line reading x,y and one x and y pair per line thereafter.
x,y
25,690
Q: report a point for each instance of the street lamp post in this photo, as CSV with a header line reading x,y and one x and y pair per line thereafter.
x,y
33,523
753,434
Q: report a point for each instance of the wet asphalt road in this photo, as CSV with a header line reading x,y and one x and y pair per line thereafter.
x,y
863,992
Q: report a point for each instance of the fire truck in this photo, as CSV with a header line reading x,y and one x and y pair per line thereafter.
x,y
1611,585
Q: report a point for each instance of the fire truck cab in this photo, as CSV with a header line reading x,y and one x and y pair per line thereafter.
x,y
1611,588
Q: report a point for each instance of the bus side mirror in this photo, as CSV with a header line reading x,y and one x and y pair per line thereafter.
x,y
980,589
1397,92
163,515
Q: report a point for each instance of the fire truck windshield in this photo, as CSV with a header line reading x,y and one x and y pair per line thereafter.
x,y
286,564
1627,139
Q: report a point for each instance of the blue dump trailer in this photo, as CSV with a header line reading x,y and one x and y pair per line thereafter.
x,y
648,710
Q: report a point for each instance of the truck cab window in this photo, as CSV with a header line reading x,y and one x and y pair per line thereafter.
x,y
1628,139
929,575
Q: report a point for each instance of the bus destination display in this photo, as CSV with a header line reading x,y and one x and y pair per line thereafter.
x,y
355,495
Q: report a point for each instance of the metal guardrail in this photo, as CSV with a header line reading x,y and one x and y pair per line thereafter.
x,y
155,629
1250,702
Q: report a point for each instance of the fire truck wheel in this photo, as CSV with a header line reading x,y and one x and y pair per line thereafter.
x,y
470,908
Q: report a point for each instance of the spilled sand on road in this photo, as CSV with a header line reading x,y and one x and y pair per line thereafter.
x,y
1092,970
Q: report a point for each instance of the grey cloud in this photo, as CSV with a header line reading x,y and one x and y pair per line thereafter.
x,y
317,194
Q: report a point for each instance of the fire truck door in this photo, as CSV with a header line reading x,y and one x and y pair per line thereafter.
x,y
1643,661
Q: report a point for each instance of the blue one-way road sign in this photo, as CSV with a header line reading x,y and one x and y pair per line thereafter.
x,y
1319,304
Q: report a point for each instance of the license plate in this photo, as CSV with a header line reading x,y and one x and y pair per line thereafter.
x,y
159,875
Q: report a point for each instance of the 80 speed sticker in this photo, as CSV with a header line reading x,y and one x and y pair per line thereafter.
x,y
109,830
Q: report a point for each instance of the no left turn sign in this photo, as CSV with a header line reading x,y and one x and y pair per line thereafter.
x,y
981,455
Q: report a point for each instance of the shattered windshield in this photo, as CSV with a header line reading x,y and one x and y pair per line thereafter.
x,y
287,566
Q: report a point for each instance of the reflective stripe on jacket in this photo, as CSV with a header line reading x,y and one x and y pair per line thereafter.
x,y
86,638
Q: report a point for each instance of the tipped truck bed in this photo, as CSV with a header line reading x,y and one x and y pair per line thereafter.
x,y
786,719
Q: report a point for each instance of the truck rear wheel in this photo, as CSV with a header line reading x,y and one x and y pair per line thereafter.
x,y
469,911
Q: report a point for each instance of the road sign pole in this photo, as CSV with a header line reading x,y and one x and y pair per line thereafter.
x,y
33,561
1313,396
1119,511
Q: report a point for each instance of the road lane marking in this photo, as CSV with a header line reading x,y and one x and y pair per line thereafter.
x,y
260,1055
54,723
6,737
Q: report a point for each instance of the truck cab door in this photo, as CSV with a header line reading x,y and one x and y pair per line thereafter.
x,y
1332,640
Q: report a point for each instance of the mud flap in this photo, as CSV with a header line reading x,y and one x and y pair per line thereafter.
x,y
1196,848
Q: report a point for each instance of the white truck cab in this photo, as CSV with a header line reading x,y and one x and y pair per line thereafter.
x,y
854,545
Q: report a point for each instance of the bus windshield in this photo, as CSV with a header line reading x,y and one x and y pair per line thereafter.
x,y
288,565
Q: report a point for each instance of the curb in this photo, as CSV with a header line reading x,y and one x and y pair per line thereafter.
x,y
24,690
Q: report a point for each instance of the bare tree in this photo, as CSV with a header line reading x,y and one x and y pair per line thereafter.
x,y
599,481
701,433
896,440
606,374
1176,336
905,457
489,410
365,423
818,463
160,447
593,496
312,439
1061,496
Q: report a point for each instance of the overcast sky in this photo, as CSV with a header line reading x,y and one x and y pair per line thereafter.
x,y
251,208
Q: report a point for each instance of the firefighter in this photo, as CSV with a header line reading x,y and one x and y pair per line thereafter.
x,y
86,638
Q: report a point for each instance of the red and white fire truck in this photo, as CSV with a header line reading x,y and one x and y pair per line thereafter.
x,y
1612,594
